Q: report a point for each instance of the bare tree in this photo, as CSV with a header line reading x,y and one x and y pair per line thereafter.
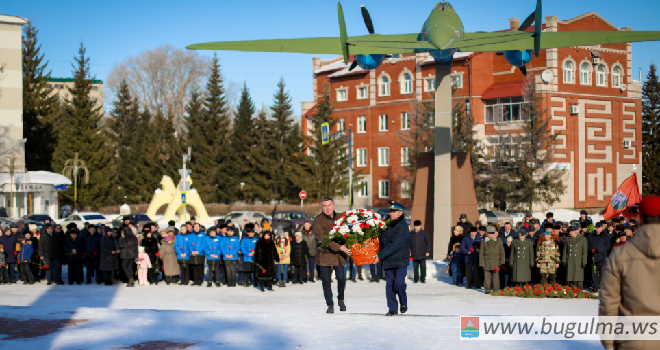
x,y
161,79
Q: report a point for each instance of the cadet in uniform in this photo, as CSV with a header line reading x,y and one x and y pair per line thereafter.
x,y
395,256
547,258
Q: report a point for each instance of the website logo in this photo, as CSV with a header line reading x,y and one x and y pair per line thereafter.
x,y
469,327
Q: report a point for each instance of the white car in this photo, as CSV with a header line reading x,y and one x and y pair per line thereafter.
x,y
243,217
81,218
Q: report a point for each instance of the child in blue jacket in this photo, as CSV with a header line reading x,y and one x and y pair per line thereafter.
x,y
456,264
213,251
24,260
230,248
247,249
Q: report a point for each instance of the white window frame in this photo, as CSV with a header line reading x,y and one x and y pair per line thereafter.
x,y
617,78
429,84
405,121
569,72
406,85
585,75
364,189
457,80
383,122
341,124
383,156
361,157
502,105
405,156
362,124
601,76
339,94
384,86
383,184
366,92
406,189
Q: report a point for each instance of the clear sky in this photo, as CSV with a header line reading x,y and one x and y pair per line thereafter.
x,y
113,30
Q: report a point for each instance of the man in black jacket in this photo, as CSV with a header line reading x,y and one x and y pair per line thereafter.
x,y
598,244
420,250
93,250
51,244
74,247
128,246
395,255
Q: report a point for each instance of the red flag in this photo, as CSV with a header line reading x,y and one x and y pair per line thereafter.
x,y
627,194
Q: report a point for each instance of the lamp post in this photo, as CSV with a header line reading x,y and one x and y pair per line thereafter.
x,y
243,193
72,169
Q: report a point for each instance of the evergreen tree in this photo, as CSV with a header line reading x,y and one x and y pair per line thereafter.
x,y
420,138
166,159
261,160
241,140
78,130
40,106
651,133
123,125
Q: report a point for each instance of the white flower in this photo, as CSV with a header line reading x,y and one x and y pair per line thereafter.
x,y
357,229
371,222
338,222
344,229
377,215
351,219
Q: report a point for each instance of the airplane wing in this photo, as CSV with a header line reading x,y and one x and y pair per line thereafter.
x,y
483,42
366,44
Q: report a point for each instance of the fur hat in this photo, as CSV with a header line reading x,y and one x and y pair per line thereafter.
x,y
299,234
473,229
549,215
168,238
490,229
32,227
141,249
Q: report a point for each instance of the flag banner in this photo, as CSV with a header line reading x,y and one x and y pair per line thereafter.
x,y
627,194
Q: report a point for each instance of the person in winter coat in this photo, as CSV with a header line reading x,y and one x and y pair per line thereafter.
x,y
420,250
150,244
521,259
143,265
491,257
575,257
265,257
25,258
108,257
4,273
284,250
312,242
470,249
548,258
74,247
93,252
247,249
8,241
213,254
128,243
630,275
598,244
456,237
299,254
49,254
456,261
464,223
33,237
168,256
183,254
197,247
230,248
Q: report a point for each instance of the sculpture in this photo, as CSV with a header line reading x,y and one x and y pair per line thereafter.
x,y
171,195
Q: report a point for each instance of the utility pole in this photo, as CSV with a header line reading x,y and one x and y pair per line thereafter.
x,y
185,185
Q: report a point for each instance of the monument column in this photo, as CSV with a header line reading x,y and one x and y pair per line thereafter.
x,y
442,219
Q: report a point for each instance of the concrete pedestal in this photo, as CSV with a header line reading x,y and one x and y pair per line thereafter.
x,y
443,147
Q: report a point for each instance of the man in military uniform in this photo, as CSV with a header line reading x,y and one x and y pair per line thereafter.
x,y
547,258
491,257
575,257
395,254
521,259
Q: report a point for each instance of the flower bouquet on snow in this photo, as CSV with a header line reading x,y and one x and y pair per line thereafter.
x,y
359,230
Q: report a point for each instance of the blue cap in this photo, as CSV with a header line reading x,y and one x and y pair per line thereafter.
x,y
394,205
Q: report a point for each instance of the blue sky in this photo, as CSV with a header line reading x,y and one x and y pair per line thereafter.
x,y
113,30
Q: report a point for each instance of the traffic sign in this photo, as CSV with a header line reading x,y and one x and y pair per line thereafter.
x,y
303,194
183,198
181,173
184,186
325,133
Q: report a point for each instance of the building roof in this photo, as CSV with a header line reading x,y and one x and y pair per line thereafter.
x,y
344,72
71,80
36,177
12,19
336,65
508,89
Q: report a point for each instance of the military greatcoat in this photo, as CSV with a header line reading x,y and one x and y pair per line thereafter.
x,y
575,258
521,260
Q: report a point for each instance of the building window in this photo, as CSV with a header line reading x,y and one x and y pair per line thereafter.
x,y
384,189
341,124
600,75
382,122
506,109
406,189
342,95
406,83
95,88
362,124
568,72
383,156
429,84
362,157
405,156
585,73
405,121
457,81
364,189
49,86
59,86
616,77
362,92
384,86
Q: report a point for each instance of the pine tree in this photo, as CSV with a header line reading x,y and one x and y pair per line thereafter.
x,y
651,133
123,125
201,137
166,160
79,130
40,106
241,140
261,160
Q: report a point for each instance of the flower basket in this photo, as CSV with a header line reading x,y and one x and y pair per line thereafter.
x,y
363,253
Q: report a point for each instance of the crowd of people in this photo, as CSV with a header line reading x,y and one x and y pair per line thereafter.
x,y
569,253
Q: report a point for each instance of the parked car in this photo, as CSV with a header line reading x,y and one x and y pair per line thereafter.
x,y
496,217
631,212
37,217
27,222
287,219
5,223
243,217
138,220
81,218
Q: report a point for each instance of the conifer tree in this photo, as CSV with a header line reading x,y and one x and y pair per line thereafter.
x,y
79,130
651,133
261,161
241,140
40,107
123,126
166,160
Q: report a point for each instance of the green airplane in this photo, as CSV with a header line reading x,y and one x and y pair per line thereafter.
x,y
442,35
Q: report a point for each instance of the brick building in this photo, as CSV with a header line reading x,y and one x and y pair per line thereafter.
x,y
588,91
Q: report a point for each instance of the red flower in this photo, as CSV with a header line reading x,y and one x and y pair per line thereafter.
x,y
180,247
593,250
496,269
193,243
95,253
345,234
156,254
229,247
471,249
264,271
251,250
411,258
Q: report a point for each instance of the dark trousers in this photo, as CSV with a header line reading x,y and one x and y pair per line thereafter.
x,y
326,273
596,269
93,269
472,274
376,271
107,278
419,270
152,277
4,274
248,273
297,274
396,286
308,269
26,273
128,266
267,283
214,274
184,266
197,272
54,270
11,266
75,272
230,271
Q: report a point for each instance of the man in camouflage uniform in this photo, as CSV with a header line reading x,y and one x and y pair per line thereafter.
x,y
547,258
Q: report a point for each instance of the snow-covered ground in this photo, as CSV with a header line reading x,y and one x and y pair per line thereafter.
x,y
146,317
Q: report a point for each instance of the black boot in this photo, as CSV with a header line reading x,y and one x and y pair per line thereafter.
x,y
342,306
404,309
209,284
391,313
330,310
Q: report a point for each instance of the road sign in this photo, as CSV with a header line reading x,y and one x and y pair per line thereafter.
x,y
184,186
303,194
181,173
183,198
325,133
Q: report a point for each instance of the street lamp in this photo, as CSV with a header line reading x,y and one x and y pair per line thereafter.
x,y
243,193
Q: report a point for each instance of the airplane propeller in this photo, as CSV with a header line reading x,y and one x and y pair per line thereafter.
x,y
370,28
